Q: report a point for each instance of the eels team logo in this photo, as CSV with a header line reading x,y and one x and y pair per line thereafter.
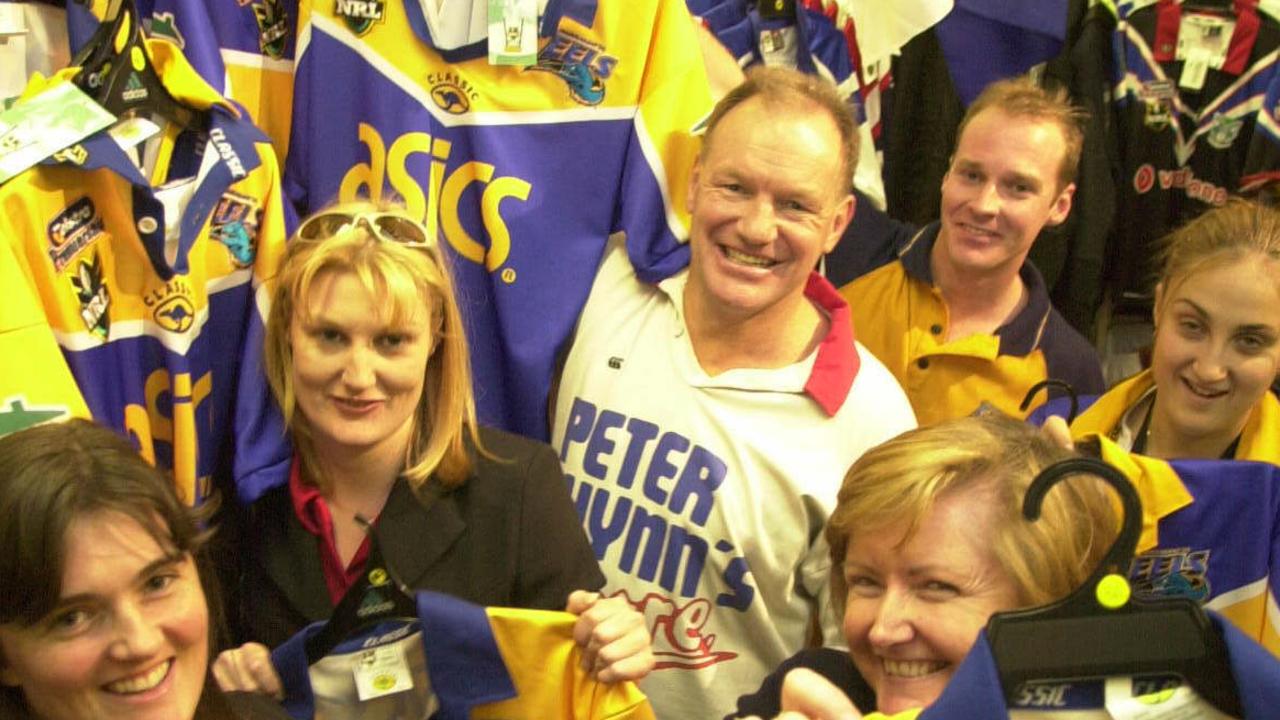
x,y
1171,572
273,27
584,66
360,15
234,223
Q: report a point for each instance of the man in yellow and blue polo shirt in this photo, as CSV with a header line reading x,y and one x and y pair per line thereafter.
x,y
955,310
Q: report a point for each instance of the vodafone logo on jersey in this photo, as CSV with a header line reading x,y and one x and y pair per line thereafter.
x,y
1144,179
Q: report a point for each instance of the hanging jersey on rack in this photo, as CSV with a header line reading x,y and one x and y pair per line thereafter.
x,y
457,662
522,173
1197,117
1211,533
150,287
242,48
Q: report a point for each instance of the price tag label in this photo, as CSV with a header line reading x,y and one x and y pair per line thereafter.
x,y
382,671
513,32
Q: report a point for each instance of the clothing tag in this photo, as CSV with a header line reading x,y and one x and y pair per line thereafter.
x,y
1193,71
37,128
778,47
1206,35
382,671
513,32
129,133
1128,699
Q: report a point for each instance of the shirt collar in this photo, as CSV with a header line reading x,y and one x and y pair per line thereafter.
x,y
837,363
581,11
1022,334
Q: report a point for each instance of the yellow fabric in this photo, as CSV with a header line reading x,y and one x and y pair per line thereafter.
x,y
1259,441
544,684
894,316
1159,488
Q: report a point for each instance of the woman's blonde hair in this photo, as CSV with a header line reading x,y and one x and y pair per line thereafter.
x,y
402,280
896,484
1239,229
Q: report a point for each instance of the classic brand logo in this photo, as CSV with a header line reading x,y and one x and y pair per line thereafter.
x,y
451,92
171,305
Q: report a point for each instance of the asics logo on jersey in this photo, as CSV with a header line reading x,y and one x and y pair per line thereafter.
x,y
168,414
473,185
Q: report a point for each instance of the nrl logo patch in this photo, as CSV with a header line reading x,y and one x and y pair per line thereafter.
x,y
1157,115
1224,132
163,25
92,293
360,15
273,27
234,223
73,230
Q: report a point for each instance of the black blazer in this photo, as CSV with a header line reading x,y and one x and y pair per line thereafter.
x,y
508,536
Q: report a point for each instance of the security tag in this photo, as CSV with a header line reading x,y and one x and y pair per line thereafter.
x,y
513,32
1126,699
381,671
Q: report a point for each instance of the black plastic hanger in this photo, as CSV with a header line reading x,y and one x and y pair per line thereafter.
x,y
1079,638
116,70
772,9
1061,385
378,596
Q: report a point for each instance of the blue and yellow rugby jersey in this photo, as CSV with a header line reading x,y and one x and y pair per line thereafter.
x,y
163,346
465,662
242,48
522,173
1211,533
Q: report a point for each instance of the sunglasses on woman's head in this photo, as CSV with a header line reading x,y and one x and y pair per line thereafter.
x,y
387,226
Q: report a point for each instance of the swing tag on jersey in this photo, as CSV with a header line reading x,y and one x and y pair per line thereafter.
x,y
1194,69
1207,36
382,671
40,126
1128,699
513,32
